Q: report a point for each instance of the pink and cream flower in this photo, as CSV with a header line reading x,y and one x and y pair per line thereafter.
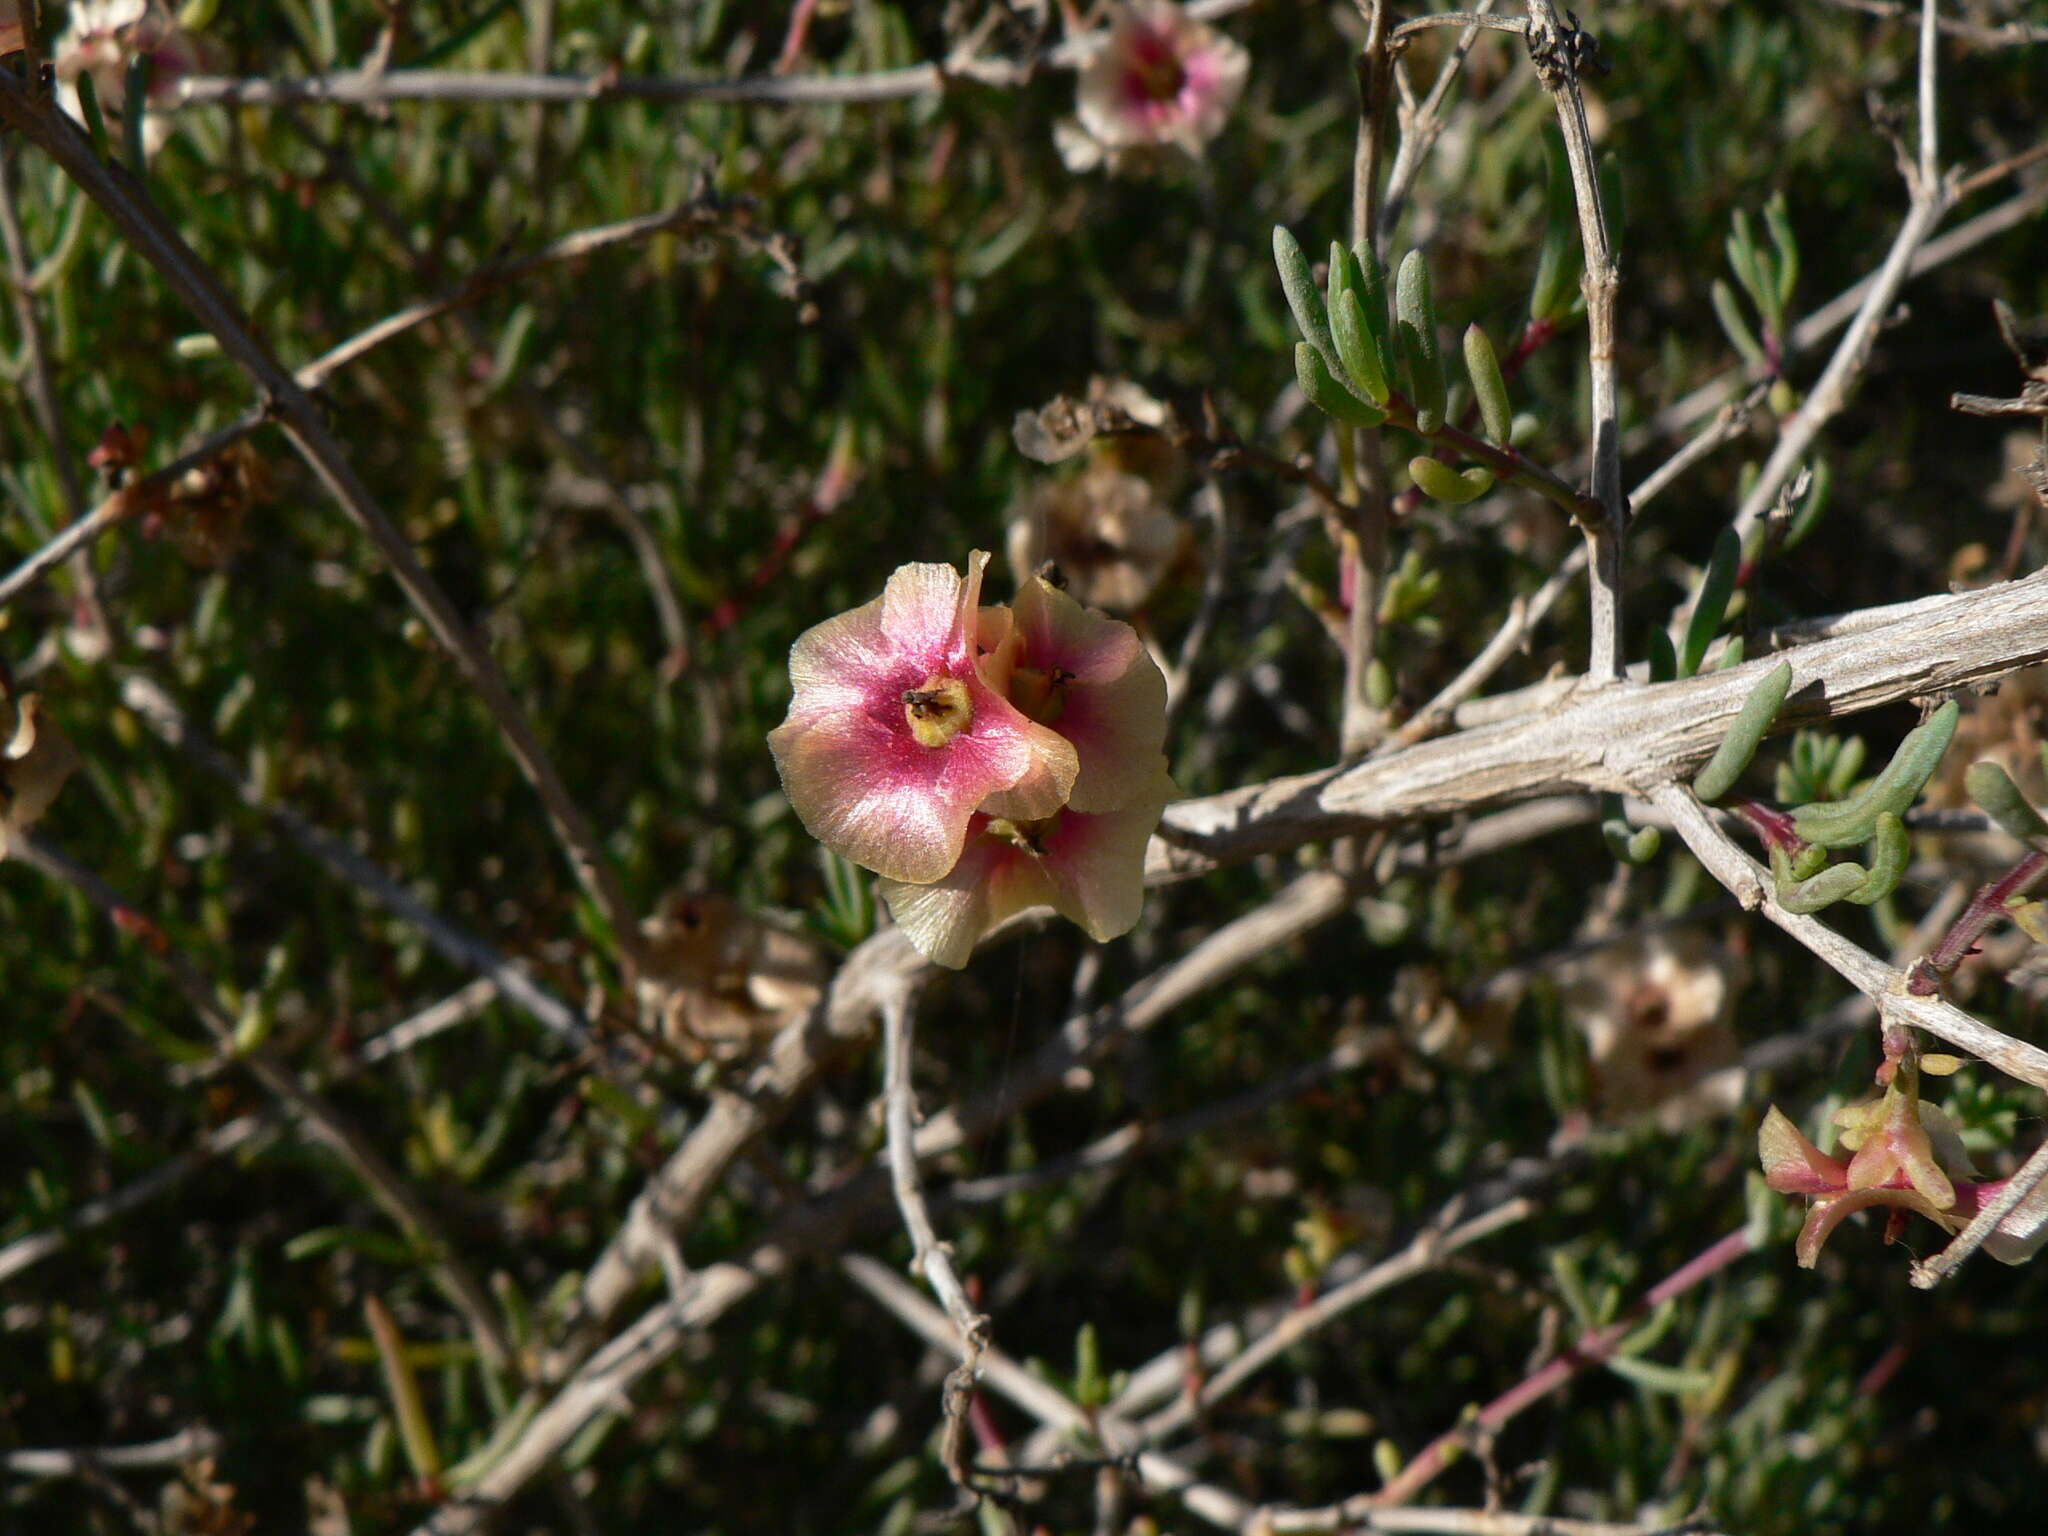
x,y
1159,79
104,38
894,737
1090,678
1906,1157
1089,869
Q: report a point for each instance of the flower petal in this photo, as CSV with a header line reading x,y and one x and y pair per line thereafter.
x,y
1096,864
1792,1164
1112,704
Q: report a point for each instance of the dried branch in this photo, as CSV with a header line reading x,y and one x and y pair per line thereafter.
x,y
1614,741
27,1252
1558,51
1930,194
322,1121
161,246
378,87
929,1256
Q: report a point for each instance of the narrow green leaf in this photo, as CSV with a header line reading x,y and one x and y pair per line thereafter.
x,y
1438,480
1663,659
415,1430
1488,386
1729,313
1890,850
1415,312
1326,394
1745,735
1303,297
1993,789
1357,348
1716,586
1562,253
1779,221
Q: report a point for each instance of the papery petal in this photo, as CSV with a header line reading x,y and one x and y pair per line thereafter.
x,y
1826,1215
1113,709
1096,864
1116,103
1045,785
1792,1164
993,881
869,790
33,767
2019,1236
1947,1142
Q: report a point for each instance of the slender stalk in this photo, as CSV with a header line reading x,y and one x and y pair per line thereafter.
x,y
1554,47
1589,1349
161,246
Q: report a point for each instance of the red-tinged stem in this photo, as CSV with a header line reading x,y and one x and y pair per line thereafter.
x,y
1590,1349
1774,827
1985,908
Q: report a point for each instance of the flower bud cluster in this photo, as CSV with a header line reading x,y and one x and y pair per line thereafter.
x,y
981,759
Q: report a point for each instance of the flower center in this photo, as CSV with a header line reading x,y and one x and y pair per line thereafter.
x,y
1154,72
1028,835
937,710
1041,695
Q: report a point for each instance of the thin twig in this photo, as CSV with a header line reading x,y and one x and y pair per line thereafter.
x,y
165,250
1931,1272
929,1257
1555,47
26,1252
1930,195
172,1451
322,1121
2010,34
142,695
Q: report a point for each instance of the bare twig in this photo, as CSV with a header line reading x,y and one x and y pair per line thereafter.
x,y
1930,194
26,1252
930,1257
149,701
1568,737
2010,34
1931,1272
162,247
172,1451
1556,49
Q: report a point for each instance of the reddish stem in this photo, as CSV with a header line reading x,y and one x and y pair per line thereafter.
x,y
1774,827
1985,908
1590,1349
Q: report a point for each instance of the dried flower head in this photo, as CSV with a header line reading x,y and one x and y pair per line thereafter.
x,y
893,737
106,37
1158,80
1111,533
11,39
35,761
1089,869
719,978
1656,1014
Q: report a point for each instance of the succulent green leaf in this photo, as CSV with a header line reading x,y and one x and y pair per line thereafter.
x,y
1993,789
1439,481
1303,297
1488,385
1663,658
1745,735
1729,313
1326,394
1831,885
1890,849
1357,348
1779,220
1842,823
1415,317
1631,845
1561,253
1716,587
1372,297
